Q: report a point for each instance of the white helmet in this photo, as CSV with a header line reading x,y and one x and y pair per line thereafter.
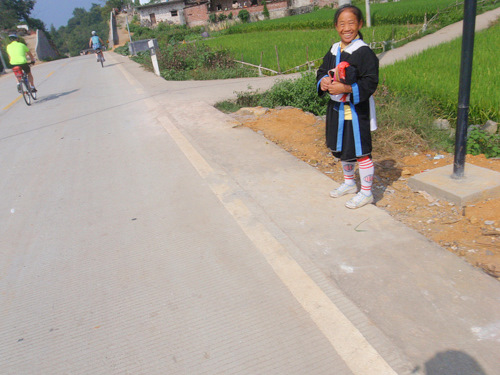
x,y
93,32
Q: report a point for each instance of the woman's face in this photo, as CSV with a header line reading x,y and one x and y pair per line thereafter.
x,y
348,26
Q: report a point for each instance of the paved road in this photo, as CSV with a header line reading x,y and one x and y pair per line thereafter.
x,y
141,233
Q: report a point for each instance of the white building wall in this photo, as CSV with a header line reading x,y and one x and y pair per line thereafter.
x,y
163,13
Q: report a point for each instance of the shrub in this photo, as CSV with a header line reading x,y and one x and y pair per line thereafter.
x,y
212,18
479,142
244,15
197,61
265,11
123,50
299,93
230,16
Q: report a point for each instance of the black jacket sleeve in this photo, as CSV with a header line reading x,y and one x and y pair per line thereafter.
x,y
367,65
328,63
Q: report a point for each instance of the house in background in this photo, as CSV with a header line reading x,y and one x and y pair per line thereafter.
x,y
167,11
197,12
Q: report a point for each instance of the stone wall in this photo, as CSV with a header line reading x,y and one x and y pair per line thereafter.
x,y
324,3
300,3
44,49
310,4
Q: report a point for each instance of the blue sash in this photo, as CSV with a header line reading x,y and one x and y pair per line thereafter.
x,y
355,121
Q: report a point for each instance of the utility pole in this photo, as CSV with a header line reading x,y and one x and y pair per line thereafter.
x,y
464,88
368,16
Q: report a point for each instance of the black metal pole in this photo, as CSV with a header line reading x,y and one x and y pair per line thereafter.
x,y
464,88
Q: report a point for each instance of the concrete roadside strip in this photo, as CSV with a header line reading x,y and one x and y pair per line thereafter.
x,y
351,345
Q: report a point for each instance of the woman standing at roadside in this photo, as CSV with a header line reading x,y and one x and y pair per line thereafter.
x,y
348,133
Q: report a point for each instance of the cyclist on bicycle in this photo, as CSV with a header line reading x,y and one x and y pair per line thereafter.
x,y
96,43
17,52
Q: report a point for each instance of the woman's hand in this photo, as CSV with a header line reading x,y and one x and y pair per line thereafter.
x,y
325,83
336,88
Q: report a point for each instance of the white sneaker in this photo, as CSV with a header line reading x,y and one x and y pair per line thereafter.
x,y
343,190
359,200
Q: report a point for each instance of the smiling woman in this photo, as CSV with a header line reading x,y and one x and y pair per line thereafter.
x,y
350,111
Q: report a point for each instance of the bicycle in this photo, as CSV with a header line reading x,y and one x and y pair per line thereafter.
x,y
100,57
23,85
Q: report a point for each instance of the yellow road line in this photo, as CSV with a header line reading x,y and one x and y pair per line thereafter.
x,y
50,74
11,104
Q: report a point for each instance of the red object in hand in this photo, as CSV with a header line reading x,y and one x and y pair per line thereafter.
x,y
341,70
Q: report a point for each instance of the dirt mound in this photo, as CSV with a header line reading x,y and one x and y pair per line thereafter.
x,y
471,232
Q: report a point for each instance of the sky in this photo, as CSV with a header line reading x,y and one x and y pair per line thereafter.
x,y
58,12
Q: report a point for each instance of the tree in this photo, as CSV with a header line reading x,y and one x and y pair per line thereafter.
x,y
112,4
74,37
14,11
36,24
265,11
22,8
8,20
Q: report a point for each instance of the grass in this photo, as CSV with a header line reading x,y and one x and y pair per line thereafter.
x,y
403,11
392,13
433,75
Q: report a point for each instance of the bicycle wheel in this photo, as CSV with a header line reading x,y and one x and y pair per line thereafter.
x,y
26,91
33,94
101,58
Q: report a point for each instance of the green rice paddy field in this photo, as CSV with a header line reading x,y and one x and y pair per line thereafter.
x,y
294,46
434,74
